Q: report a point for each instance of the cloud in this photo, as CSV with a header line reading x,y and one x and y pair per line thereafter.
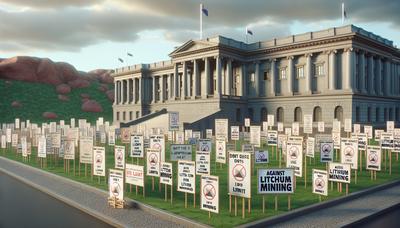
x,y
51,4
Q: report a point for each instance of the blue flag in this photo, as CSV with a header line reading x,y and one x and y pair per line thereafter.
x,y
249,31
205,11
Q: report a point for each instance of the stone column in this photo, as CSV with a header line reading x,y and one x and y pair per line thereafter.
x,y
273,77
162,89
218,85
332,70
115,92
348,76
362,72
128,94
195,78
133,90
176,81
140,91
387,78
371,74
379,76
290,76
244,80
308,72
257,79
206,79
171,86
228,79
184,81
122,92
154,90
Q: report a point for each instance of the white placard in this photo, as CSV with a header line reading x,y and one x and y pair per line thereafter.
x,y
125,135
362,141
134,174
271,120
220,148
374,158
202,163
349,152
3,142
235,133
209,133
336,140
247,122
221,128
261,157
339,172
255,135
116,184
99,161
173,121
153,162
389,126
320,182
204,145
209,187
326,150
119,156
158,142
295,128
357,128
308,124
166,173
137,146
275,181
310,147
347,125
186,177
179,137
42,147
294,156
321,126
369,131
69,149
280,126
386,141
86,150
181,152
240,174
188,134
272,138
111,137
336,126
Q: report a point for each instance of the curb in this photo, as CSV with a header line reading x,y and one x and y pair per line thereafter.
x,y
147,208
316,207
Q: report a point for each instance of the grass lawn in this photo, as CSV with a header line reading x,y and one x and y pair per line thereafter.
x,y
302,196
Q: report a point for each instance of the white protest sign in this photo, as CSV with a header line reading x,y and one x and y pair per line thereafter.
x,y
240,174
247,122
158,142
209,187
188,134
202,163
326,150
369,131
275,181
295,128
119,155
137,146
362,141
235,133
111,137
320,182
166,173
221,128
357,128
153,162
271,120
99,161
220,148
310,146
179,137
321,126
86,150
336,140
374,157
349,152
204,145
294,156
186,177
125,135
390,126
386,140
255,135
209,133
134,174
265,126
69,149
347,125
24,146
308,124
173,121
272,138
280,126
42,147
339,172
181,152
3,142
261,157
116,184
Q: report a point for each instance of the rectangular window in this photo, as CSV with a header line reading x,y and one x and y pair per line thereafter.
x,y
357,114
117,116
137,114
238,116
300,72
267,75
130,115
319,70
282,73
369,114
123,116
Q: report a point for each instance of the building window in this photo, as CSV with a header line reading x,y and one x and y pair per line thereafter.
x,y
391,114
137,114
357,114
263,114
280,115
319,70
267,75
123,116
317,115
298,114
300,72
377,115
397,114
251,114
238,115
130,115
339,113
385,114
369,114
117,116
282,73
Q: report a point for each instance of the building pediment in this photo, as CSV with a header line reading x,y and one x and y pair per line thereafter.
x,y
192,46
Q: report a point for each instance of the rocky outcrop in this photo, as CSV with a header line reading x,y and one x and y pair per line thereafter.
x,y
16,104
91,106
49,115
63,89
110,95
63,97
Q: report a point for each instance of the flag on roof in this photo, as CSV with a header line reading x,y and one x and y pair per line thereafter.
x,y
204,10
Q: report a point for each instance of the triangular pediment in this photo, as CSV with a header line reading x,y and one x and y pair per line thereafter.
x,y
192,45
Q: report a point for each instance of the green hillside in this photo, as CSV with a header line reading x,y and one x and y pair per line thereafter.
x,y
37,98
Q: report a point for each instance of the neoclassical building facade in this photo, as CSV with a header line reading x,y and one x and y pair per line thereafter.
x,y
343,72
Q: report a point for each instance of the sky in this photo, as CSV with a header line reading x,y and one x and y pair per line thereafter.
x,y
93,34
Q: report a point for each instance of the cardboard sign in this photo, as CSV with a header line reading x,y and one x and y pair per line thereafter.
x,y
339,172
204,145
386,140
42,147
99,161
188,134
310,147
181,152
308,124
221,128
111,137
220,148
349,152
86,150
166,173
321,126
374,158
202,163
271,120
137,146
3,142
369,131
116,184
275,181
158,142
295,128
55,140
235,132
326,150
247,122
336,140
389,126
261,157
294,156
209,133
336,126
186,177
396,143
378,134
24,147
240,174
347,125
357,128
272,138
265,126
134,174
173,121
280,126
153,162
209,187
362,141
69,149
119,156
320,182
125,135
14,140
255,135
196,135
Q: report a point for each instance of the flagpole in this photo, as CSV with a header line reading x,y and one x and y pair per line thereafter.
x,y
342,13
201,21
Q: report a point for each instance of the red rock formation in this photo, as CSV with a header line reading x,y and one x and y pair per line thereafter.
x,y
63,97
110,95
79,83
63,89
16,104
91,106
49,115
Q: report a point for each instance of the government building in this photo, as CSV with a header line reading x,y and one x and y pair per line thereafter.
x,y
337,73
